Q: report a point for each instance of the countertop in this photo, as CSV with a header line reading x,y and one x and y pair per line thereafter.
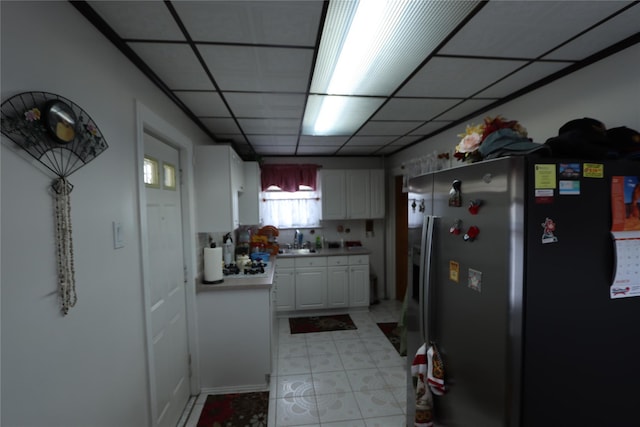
x,y
265,282
353,250
246,282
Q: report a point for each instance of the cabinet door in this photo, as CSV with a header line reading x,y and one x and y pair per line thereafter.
x,y
216,204
359,285
377,193
337,286
333,194
249,199
358,194
285,289
311,288
237,172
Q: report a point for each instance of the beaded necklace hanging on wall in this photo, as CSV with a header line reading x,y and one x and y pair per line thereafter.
x,y
63,138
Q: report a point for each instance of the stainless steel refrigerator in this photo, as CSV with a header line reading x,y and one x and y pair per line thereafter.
x,y
512,274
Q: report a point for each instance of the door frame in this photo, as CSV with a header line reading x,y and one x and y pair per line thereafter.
x,y
148,121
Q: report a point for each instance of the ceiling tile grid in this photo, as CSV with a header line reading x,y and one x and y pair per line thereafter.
x,y
249,72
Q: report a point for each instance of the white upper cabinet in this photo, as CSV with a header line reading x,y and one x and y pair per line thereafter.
x,y
249,197
358,197
334,203
217,180
352,194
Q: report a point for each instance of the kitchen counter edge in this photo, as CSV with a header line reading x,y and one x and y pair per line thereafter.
x,y
354,250
239,284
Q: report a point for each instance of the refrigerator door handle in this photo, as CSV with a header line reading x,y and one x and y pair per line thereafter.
x,y
425,277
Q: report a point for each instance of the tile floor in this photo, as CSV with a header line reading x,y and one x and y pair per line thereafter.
x,y
337,379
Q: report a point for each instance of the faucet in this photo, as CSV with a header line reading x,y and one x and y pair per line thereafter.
x,y
296,237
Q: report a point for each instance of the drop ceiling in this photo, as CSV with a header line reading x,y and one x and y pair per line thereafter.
x,y
242,70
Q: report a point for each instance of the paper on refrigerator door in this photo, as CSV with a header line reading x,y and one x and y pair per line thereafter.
x,y
625,228
626,282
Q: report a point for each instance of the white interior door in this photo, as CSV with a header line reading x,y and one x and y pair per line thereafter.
x,y
169,354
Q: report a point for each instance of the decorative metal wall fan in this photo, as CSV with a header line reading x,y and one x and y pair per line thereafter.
x,y
61,136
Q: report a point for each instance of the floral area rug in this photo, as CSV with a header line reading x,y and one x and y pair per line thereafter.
x,y
392,332
338,322
235,410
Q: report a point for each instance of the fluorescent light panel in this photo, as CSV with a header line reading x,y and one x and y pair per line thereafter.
x,y
369,47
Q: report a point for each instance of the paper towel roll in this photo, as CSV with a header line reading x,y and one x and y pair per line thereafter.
x,y
213,265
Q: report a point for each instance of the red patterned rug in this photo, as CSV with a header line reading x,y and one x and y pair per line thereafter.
x,y
392,332
337,322
235,410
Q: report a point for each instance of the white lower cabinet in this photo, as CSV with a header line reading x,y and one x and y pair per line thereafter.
x,y
337,282
311,283
285,282
317,282
358,280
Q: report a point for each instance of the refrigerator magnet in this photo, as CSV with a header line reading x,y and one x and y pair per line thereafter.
x,y
454,271
475,280
549,227
455,198
474,206
471,234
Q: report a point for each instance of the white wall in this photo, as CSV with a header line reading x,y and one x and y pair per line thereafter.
x,y
608,90
88,368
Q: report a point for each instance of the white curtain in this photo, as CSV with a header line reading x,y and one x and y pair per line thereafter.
x,y
289,210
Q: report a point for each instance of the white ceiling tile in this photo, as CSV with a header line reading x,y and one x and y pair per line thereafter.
x,y
278,150
266,105
262,140
405,140
396,128
430,127
358,150
372,140
457,77
466,108
270,126
525,29
221,126
389,149
245,68
204,104
317,150
419,109
521,78
139,19
175,64
322,140
618,28
293,23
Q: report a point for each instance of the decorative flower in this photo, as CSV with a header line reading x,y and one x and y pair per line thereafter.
x,y
92,129
32,115
467,148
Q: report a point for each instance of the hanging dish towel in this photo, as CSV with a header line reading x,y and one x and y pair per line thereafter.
x,y
424,399
435,371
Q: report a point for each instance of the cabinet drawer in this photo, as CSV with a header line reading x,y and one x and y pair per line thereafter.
x,y
333,261
285,262
314,261
358,259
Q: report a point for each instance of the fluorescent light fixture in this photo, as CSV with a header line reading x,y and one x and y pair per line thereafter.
x,y
368,48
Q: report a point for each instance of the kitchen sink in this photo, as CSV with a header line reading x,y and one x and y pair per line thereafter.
x,y
296,251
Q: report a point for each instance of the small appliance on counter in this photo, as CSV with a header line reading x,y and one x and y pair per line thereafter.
x,y
228,248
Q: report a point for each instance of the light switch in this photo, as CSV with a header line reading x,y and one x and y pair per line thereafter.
x,y
118,238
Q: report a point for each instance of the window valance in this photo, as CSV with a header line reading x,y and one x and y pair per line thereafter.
x,y
288,177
